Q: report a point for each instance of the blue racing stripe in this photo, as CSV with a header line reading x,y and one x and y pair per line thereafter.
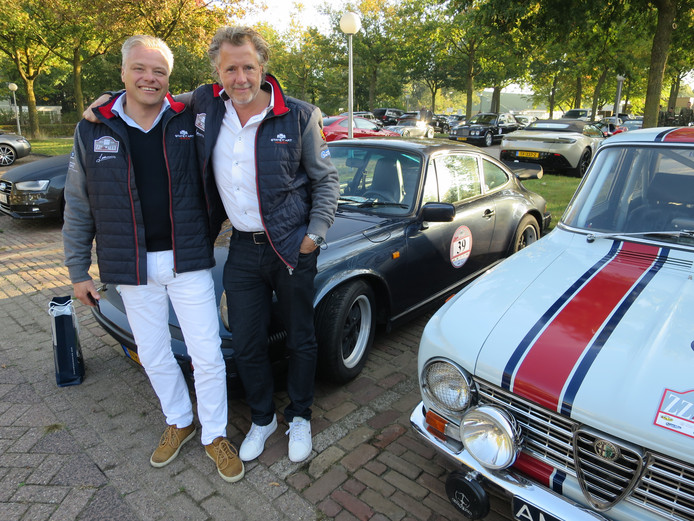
x,y
587,362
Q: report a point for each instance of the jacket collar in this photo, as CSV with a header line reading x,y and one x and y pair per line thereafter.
x,y
106,109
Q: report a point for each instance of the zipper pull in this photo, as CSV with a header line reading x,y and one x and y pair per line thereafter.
x,y
290,270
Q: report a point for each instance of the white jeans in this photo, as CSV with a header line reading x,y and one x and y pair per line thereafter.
x,y
193,300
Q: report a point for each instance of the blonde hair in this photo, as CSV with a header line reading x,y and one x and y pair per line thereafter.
x,y
238,36
150,42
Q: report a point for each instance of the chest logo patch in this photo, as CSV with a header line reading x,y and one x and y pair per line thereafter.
x,y
106,144
281,139
200,121
184,134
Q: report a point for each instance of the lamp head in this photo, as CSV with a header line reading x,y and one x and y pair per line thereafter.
x,y
12,86
350,23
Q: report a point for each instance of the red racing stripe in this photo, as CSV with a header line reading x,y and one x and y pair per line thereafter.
x,y
549,362
536,469
681,135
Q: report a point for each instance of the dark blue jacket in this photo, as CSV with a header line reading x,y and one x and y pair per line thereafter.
x,y
298,185
102,200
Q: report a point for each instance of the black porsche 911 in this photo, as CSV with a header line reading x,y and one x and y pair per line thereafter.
x,y
415,222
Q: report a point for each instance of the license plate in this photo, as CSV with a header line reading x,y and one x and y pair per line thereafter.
x,y
3,198
524,511
461,138
533,155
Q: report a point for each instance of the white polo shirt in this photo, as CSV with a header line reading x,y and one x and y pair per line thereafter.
x,y
233,158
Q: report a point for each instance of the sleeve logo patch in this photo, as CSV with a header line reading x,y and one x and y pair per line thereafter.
x,y
676,412
106,144
200,121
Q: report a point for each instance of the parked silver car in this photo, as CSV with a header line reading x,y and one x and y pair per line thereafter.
x,y
12,147
556,144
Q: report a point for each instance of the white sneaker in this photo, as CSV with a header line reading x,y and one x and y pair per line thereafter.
x,y
300,444
254,444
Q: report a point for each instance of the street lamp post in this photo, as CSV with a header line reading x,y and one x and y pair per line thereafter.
x,y
13,88
350,23
618,98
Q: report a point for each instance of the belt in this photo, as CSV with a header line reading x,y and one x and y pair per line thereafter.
x,y
256,237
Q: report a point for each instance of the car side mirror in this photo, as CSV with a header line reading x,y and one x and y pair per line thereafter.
x,y
438,212
525,171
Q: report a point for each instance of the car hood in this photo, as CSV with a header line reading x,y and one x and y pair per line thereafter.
x,y
476,125
41,169
601,332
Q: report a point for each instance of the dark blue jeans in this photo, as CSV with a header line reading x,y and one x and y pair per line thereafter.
x,y
251,273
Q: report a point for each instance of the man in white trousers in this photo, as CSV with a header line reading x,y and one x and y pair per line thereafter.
x,y
133,184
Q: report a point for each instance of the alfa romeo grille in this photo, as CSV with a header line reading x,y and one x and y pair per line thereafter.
x,y
652,481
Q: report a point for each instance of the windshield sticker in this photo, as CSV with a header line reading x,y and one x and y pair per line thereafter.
x,y
676,412
461,246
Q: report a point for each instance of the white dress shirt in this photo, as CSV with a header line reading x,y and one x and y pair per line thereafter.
x,y
233,158
119,110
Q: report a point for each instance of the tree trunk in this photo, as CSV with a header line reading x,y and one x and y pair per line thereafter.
x,y
77,80
552,93
469,84
660,49
372,87
496,100
579,92
31,104
596,94
674,91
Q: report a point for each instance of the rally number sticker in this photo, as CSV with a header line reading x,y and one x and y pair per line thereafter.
x,y
676,412
461,246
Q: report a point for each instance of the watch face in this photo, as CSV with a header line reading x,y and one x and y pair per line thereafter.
x,y
316,238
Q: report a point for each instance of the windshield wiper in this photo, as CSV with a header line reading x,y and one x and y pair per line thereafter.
x,y
371,204
613,235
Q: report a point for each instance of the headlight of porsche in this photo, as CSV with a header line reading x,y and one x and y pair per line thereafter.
x,y
491,436
447,387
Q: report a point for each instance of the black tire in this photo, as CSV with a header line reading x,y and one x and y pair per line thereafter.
x,y
345,327
7,155
528,232
405,133
583,163
488,139
430,133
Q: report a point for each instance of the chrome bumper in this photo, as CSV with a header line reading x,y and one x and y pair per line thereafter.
x,y
512,484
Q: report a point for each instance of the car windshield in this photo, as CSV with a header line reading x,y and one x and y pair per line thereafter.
x,y
637,190
377,180
484,119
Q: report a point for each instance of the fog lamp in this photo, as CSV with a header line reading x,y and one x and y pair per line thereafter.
x,y
447,387
491,436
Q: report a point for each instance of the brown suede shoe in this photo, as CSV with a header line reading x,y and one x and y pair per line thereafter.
x,y
225,455
170,443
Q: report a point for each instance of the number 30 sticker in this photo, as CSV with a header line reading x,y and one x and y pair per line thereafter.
x,y
461,246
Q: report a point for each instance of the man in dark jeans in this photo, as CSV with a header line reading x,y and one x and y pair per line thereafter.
x,y
267,158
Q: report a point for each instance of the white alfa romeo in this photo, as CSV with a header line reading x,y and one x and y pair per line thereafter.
x,y
563,379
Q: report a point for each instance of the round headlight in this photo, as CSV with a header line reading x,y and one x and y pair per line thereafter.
x,y
447,387
491,436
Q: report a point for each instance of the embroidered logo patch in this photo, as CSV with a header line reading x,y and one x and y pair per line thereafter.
x,y
184,134
281,139
106,144
200,121
325,153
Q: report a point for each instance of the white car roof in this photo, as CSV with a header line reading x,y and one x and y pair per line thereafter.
x,y
655,135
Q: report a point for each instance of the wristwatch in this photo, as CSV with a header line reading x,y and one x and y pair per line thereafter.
x,y
317,239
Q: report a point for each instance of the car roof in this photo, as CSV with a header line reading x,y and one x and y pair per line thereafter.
x,y
559,125
683,135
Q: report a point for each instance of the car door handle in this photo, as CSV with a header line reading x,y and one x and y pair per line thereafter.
x,y
488,214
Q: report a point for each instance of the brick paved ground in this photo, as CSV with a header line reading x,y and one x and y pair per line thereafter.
x,y
82,452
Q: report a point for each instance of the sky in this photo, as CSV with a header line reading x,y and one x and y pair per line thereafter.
x,y
278,11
